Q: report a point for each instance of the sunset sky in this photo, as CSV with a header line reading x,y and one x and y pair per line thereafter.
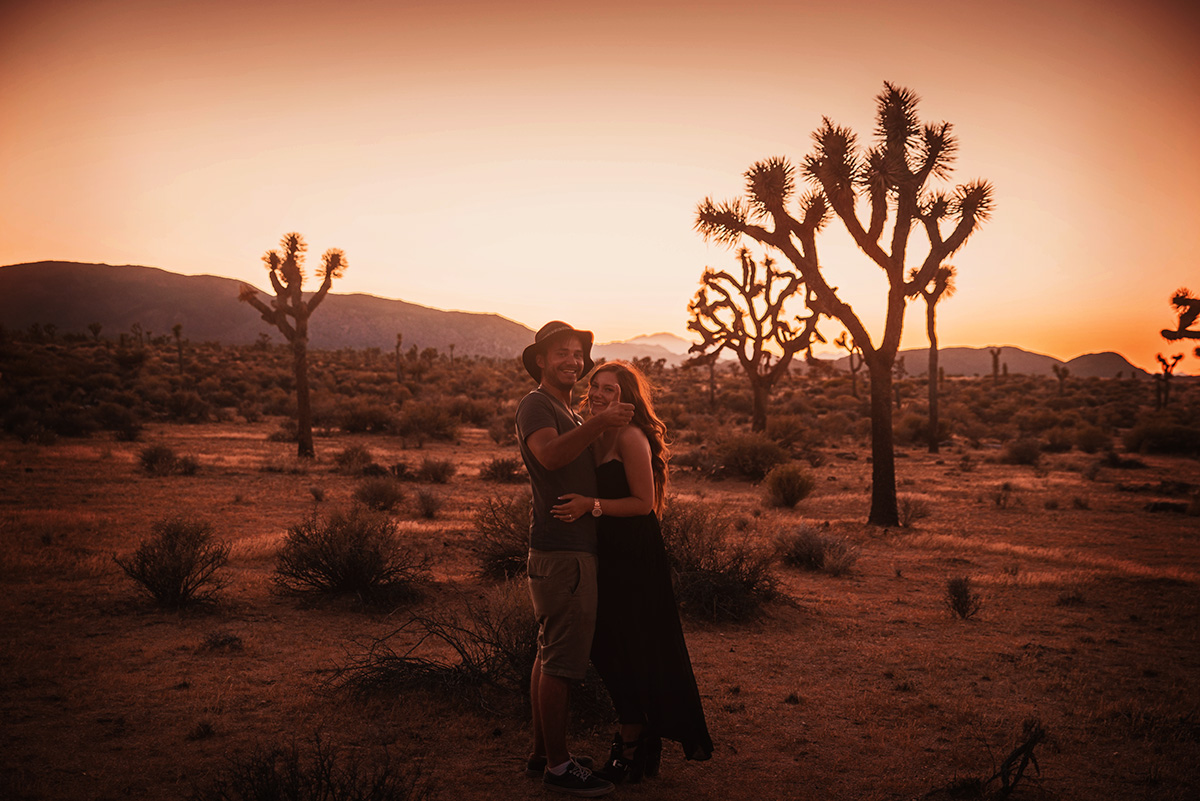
x,y
544,160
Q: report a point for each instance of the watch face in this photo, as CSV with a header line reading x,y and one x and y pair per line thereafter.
x,y
596,508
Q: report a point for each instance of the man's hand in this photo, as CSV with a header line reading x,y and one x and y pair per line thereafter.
x,y
617,415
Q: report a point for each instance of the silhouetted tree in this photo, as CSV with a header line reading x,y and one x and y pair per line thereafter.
x,y
1061,372
1188,307
1162,384
95,329
289,313
995,364
745,314
399,371
942,286
854,360
177,330
890,181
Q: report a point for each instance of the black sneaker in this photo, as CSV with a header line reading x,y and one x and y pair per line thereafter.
x,y
577,780
535,766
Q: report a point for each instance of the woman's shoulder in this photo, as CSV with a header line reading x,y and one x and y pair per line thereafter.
x,y
632,436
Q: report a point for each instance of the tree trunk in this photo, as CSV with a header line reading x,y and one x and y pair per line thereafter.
x,y
883,458
933,380
762,393
304,437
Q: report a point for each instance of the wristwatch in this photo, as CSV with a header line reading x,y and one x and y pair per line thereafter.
x,y
596,510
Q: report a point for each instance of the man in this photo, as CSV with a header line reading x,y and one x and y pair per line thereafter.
x,y
562,554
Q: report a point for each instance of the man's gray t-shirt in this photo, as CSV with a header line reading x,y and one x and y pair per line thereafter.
x,y
536,411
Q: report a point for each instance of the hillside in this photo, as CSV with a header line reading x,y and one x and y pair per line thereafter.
x,y
72,296
978,362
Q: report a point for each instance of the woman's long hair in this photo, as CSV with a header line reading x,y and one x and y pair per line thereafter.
x,y
635,389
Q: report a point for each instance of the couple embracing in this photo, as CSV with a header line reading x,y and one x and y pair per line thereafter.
x,y
598,572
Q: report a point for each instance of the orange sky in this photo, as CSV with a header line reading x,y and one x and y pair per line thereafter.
x,y
541,161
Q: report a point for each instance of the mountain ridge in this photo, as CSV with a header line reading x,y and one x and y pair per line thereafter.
x,y
72,295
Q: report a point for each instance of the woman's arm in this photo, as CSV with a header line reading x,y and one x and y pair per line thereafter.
x,y
634,450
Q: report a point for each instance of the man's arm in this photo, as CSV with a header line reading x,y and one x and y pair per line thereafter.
x,y
554,450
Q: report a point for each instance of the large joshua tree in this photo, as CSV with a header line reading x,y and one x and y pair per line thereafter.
x,y
890,186
942,286
744,313
289,312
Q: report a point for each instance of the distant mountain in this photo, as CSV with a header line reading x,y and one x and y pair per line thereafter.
x,y
978,362
72,296
668,342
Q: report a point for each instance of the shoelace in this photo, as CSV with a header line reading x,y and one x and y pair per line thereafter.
x,y
579,770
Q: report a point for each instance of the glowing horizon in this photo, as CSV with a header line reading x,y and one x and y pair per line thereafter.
x,y
542,162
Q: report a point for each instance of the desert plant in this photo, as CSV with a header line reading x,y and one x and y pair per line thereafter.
x,y
751,456
177,564
1021,451
158,460
353,459
505,470
961,598
502,522
436,471
494,641
808,549
718,576
355,552
429,504
383,494
913,508
285,774
788,484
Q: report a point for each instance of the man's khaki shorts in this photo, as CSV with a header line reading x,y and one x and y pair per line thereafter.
x,y
562,585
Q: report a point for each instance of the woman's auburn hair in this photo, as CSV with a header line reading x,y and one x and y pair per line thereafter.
x,y
636,389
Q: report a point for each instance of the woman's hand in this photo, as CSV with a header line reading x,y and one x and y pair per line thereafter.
x,y
572,508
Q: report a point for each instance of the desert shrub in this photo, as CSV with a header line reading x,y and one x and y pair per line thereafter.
x,y
503,470
718,577
401,471
158,460
1091,439
188,407
788,484
912,508
436,471
1002,495
961,598
287,431
352,459
1058,440
470,412
362,416
383,493
177,564
285,774
750,456
502,430
1021,451
494,640
1163,437
502,523
356,552
421,421
808,549
429,504
787,429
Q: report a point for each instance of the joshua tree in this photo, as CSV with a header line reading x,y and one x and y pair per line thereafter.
x,y
287,277
854,360
1188,307
745,315
995,364
1162,384
1061,372
399,340
942,286
177,330
95,329
890,181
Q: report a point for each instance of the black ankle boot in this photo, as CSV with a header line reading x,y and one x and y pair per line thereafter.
x,y
619,767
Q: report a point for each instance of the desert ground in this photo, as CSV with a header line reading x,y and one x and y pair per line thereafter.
x,y
855,686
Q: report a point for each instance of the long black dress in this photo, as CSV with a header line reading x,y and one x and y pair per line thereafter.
x,y
639,650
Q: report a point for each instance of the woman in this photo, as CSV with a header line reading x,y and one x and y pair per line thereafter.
x,y
638,649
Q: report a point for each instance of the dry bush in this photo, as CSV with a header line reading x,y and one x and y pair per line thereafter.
x,y
913,508
493,643
788,484
750,456
352,460
718,577
1021,452
161,460
505,470
429,504
808,549
177,565
436,471
961,598
358,552
383,494
502,522
285,774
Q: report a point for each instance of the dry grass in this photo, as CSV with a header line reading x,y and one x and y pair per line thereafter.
x,y
857,688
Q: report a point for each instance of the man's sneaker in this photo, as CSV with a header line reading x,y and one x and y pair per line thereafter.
x,y
577,780
535,766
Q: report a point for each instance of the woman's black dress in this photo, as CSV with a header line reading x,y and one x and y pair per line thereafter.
x,y
639,650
